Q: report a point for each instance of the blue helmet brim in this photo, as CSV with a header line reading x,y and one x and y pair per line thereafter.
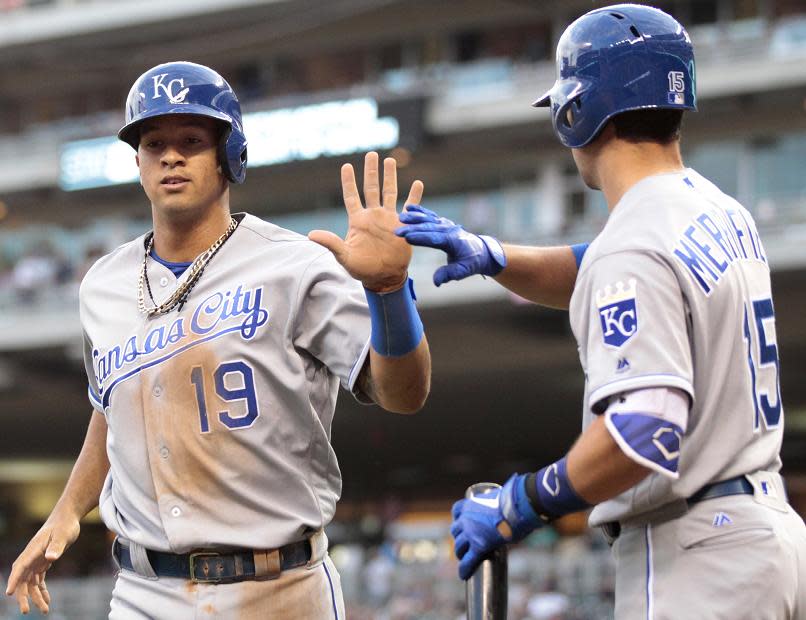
x,y
544,101
130,133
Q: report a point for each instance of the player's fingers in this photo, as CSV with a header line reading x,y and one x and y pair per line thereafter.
x,y
416,194
390,184
330,240
452,271
427,239
372,186
421,209
19,572
468,565
456,510
349,189
21,595
37,599
460,546
44,589
417,217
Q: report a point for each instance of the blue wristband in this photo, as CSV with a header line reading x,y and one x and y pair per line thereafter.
x,y
396,325
579,252
551,492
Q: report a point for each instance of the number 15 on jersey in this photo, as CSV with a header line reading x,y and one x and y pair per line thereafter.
x,y
759,316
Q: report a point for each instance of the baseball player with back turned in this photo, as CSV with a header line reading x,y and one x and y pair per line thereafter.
x,y
672,311
214,348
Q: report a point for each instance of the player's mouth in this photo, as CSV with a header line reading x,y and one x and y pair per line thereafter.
x,y
174,181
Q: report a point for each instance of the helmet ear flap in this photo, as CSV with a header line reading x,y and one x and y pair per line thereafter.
x,y
223,161
570,112
232,155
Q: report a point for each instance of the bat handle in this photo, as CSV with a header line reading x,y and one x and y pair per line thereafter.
x,y
486,590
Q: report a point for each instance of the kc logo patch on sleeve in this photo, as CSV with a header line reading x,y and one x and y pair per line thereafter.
x,y
618,314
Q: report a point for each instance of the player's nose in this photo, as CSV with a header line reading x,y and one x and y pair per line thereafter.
x,y
172,155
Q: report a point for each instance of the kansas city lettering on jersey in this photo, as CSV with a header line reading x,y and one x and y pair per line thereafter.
x,y
713,241
232,311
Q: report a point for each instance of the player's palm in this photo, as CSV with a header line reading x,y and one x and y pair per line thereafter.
x,y
371,252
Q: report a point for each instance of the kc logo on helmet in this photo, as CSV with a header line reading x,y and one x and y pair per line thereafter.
x,y
618,313
168,88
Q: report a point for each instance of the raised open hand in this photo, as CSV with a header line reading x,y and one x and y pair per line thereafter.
x,y
371,252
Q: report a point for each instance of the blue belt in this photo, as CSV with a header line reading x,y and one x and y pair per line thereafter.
x,y
733,486
217,567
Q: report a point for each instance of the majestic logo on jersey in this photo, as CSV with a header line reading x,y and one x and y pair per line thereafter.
x,y
232,311
167,88
618,314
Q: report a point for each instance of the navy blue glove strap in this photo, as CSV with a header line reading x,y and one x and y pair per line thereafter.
x,y
396,326
496,250
551,493
516,508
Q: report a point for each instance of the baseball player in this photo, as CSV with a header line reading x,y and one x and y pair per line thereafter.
x,y
215,346
672,310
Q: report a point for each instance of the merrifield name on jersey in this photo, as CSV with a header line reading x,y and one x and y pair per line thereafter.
x,y
713,241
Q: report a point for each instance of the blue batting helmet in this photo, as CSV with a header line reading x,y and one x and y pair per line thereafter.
x,y
188,88
614,59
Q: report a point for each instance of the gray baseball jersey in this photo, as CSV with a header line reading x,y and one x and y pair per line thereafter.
x,y
675,293
219,415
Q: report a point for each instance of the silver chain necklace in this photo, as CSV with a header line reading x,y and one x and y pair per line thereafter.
x,y
180,295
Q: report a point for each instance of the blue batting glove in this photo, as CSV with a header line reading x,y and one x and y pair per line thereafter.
x,y
485,522
468,254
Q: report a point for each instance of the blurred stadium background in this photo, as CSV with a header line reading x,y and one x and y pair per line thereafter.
x,y
446,88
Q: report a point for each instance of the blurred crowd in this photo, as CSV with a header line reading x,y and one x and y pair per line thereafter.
x,y
550,578
40,265
42,273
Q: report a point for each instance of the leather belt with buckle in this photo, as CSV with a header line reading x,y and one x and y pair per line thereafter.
x,y
222,567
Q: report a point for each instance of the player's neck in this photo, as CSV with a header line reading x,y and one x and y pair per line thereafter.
x,y
180,238
623,164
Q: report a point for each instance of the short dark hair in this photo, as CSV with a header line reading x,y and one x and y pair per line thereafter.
x,y
650,125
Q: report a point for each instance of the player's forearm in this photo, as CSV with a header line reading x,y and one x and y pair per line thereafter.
x,y
598,469
84,486
544,275
400,384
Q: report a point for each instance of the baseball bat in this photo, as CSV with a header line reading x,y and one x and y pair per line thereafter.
x,y
486,590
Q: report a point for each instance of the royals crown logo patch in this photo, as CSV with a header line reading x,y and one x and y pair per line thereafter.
x,y
618,314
